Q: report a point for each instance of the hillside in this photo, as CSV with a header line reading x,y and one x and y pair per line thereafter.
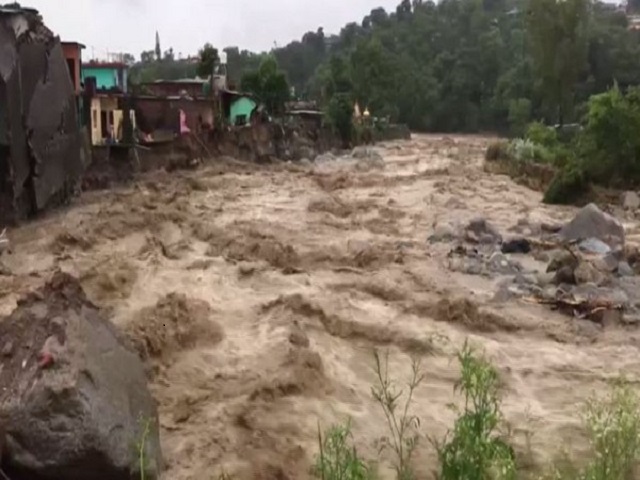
x,y
459,65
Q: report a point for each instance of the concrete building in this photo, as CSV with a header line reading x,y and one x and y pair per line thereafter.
x,y
110,76
191,87
73,55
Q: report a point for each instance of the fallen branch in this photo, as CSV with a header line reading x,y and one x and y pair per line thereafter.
x,y
579,309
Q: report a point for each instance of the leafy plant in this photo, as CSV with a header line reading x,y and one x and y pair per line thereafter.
x,y
613,425
338,459
614,429
541,134
475,449
519,115
523,150
402,425
569,185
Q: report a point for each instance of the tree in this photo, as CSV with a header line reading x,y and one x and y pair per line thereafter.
x,y
558,34
128,59
269,83
169,56
158,49
147,56
339,89
208,59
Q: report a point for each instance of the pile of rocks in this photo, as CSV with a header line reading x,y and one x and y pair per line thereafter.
x,y
590,272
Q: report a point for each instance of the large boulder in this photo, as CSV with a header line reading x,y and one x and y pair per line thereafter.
x,y
74,403
591,222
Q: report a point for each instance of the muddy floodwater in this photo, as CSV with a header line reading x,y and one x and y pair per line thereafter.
x,y
258,293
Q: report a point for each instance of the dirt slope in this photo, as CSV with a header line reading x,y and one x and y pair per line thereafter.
x,y
257,294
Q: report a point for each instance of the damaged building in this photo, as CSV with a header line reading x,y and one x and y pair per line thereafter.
x,y
41,144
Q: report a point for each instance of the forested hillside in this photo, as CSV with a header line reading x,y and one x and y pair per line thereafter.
x,y
455,65
468,65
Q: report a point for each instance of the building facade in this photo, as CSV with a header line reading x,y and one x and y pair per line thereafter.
x,y
109,76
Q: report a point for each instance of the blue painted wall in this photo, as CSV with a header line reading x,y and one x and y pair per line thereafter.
x,y
106,77
242,106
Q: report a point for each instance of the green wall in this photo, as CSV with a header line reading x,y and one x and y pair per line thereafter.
x,y
242,106
106,77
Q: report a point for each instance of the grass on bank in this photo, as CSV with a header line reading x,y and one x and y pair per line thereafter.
x,y
477,447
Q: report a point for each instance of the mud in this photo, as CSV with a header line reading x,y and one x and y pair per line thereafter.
x,y
174,324
258,293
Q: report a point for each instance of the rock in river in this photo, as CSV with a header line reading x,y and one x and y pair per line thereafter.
x,y
75,403
591,222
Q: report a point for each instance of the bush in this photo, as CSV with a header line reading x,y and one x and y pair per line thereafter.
x,y
519,116
497,151
338,459
569,186
610,141
475,450
613,425
524,151
540,134
614,428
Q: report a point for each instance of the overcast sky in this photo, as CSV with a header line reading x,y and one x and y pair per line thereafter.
x,y
130,25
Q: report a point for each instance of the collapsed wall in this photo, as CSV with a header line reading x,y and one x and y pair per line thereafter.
x,y
41,154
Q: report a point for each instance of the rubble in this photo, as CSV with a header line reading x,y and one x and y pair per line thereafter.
x,y
479,230
473,261
75,401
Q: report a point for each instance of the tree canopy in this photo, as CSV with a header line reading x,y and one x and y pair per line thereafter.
x,y
269,83
208,57
454,65
471,65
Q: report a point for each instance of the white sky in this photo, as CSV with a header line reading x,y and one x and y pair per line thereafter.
x,y
130,25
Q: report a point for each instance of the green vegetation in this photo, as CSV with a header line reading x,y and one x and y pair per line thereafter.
x,y
603,151
453,65
613,427
478,448
208,57
338,459
141,448
269,84
402,425
468,66
475,449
